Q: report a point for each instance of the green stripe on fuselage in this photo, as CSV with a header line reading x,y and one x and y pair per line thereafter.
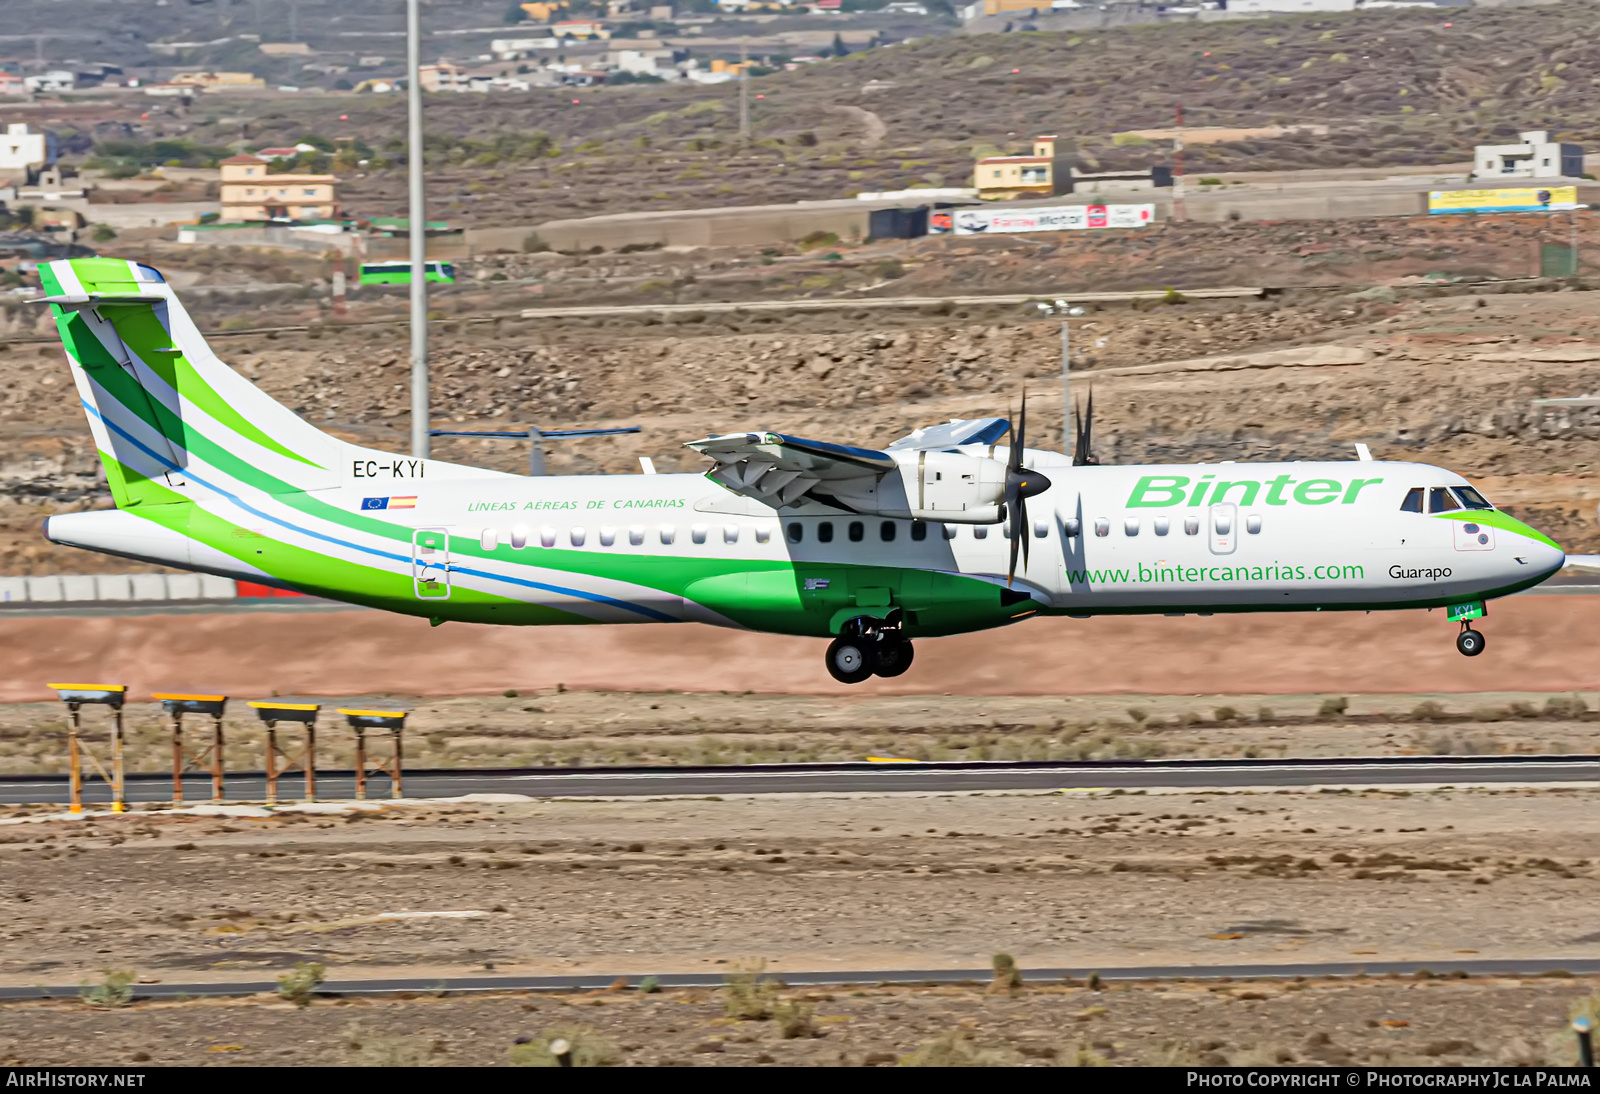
x,y
1494,518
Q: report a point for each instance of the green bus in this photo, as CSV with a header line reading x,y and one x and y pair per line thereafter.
x,y
399,273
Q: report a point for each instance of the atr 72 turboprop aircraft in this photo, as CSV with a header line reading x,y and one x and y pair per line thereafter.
x,y
868,548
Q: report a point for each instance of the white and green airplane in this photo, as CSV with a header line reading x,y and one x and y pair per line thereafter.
x,y
867,548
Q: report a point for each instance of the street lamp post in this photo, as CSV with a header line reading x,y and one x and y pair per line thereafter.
x,y
1067,311
418,233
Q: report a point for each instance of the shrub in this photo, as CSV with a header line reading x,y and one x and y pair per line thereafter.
x,y
747,994
650,985
956,1050
533,244
1266,714
587,1048
1173,296
1225,714
1138,714
794,1019
103,233
1333,708
363,1049
1007,977
115,990
300,985
1427,711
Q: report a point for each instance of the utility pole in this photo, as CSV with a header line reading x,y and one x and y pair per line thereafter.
x,y
1067,312
744,91
418,216
1178,211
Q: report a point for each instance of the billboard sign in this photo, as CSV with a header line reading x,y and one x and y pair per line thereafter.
x,y
1060,218
1521,199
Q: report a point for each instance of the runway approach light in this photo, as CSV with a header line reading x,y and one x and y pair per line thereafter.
x,y
391,722
537,436
76,696
211,706
306,759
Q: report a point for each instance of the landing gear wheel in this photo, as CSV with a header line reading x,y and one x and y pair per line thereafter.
x,y
1469,642
894,655
851,659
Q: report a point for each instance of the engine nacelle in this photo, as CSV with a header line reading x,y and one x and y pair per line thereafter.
x,y
948,487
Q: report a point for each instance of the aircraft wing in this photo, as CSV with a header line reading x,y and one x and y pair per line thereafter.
x,y
777,470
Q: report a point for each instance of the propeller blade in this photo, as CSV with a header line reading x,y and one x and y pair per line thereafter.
x,y
1083,454
1020,444
1011,574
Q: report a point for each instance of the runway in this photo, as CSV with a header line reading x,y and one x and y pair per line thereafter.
x,y
833,978
858,778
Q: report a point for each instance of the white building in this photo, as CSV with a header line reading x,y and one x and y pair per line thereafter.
x,y
1537,157
22,152
55,80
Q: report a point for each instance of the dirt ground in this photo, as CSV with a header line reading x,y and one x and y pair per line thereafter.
x,y
597,728
1078,880
1304,1023
1536,643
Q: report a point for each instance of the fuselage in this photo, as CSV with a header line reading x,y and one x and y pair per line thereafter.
x,y
1176,538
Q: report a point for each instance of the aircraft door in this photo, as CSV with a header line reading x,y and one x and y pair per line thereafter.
x,y
430,563
1224,519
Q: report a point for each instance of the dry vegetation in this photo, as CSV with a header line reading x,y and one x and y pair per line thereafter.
x,y
755,887
583,728
1498,1022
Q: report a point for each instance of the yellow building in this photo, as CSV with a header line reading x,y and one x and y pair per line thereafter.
x,y
1006,177
540,11
1001,7
250,192
213,81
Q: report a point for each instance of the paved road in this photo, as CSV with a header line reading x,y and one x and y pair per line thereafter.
x,y
875,778
876,302
595,981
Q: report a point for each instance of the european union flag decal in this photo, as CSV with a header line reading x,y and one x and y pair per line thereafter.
x,y
374,503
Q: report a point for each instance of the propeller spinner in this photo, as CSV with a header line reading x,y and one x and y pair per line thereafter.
x,y
1022,483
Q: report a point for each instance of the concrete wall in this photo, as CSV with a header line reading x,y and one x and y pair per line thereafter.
x,y
746,226
1313,206
143,215
278,238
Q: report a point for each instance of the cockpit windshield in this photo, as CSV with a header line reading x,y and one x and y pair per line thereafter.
x,y
1470,498
1440,501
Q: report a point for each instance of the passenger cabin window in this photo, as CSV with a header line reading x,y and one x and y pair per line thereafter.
x,y
950,531
797,532
698,533
1252,524
1413,502
1072,526
919,531
1440,500
668,534
886,531
825,532
547,536
1130,526
1102,526
608,535
857,531
636,535
519,537
979,532
1471,498
730,533
1191,526
577,536
1041,529
1161,525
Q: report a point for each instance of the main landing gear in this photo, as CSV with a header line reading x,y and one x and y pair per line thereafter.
x,y
1469,641
868,647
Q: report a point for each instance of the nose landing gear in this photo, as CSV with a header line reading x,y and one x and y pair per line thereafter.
x,y
868,647
1469,641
